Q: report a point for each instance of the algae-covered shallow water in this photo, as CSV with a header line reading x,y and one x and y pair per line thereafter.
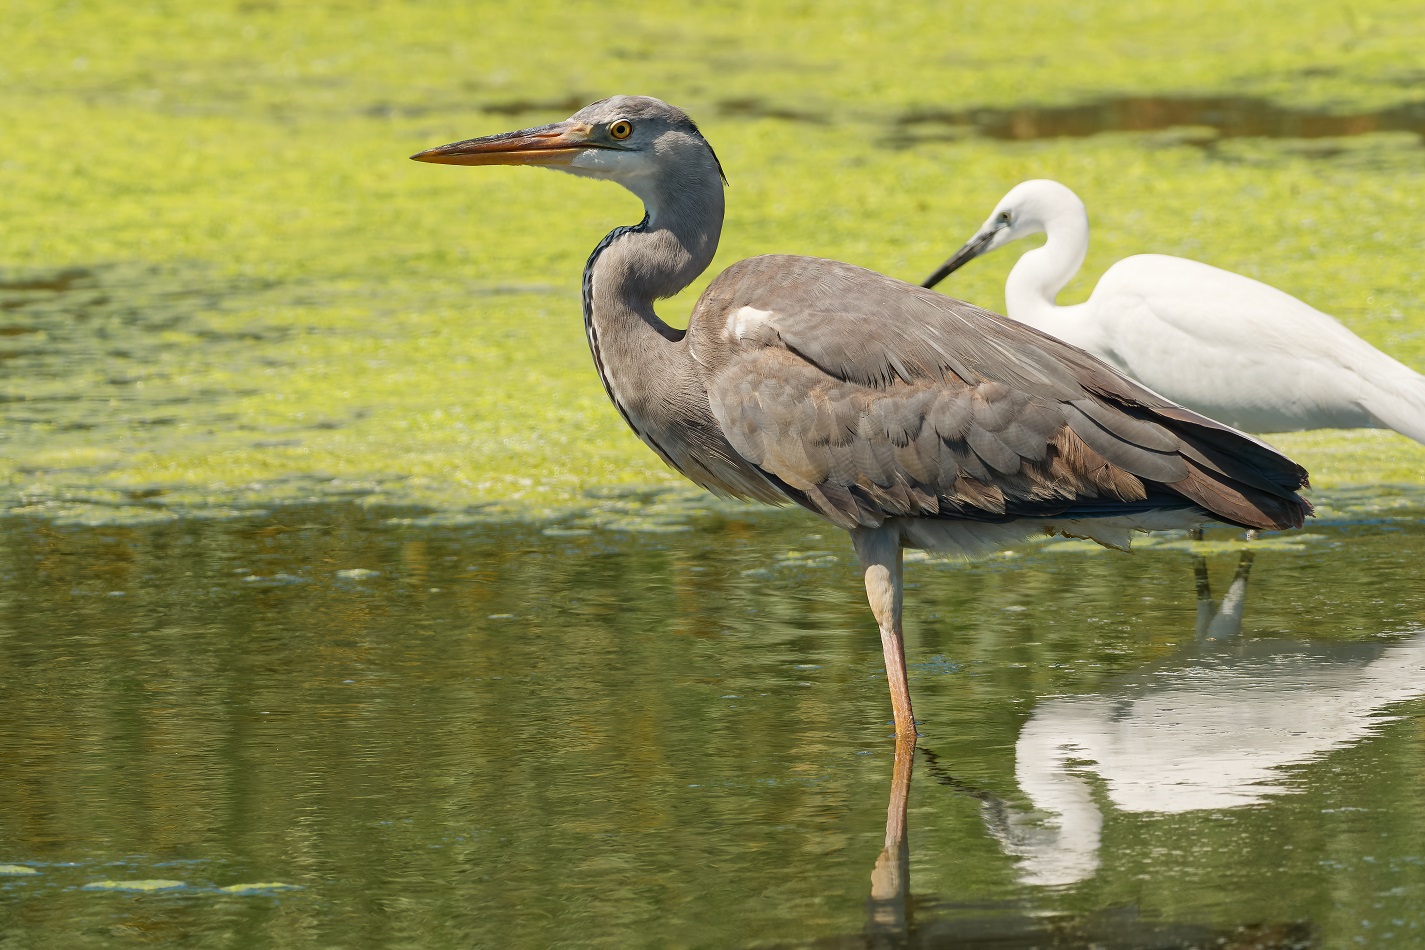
x,y
667,725
248,294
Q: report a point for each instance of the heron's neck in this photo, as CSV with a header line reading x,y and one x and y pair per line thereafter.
x,y
642,361
1039,275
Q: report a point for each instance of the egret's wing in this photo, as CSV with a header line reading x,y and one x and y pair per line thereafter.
x,y
1245,352
1215,314
868,398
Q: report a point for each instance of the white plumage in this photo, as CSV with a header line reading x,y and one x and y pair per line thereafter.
x,y
1227,346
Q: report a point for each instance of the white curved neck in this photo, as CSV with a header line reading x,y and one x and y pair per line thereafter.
x,y
1038,276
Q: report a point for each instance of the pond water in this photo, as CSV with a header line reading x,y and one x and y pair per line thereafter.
x,y
657,725
1220,116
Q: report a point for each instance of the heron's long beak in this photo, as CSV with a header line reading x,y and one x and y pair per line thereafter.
x,y
973,248
555,144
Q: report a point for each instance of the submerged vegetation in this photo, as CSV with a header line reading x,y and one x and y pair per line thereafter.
x,y
221,282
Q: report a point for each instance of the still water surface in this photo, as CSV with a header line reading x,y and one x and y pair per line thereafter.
x,y
329,726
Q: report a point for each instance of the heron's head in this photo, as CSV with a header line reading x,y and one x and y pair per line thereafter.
x,y
1031,207
644,144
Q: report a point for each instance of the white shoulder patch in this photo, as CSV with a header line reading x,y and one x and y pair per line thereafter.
x,y
749,323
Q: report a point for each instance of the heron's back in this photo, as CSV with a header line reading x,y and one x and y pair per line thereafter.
x,y
867,398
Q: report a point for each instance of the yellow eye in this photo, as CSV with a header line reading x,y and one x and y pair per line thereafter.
x,y
621,129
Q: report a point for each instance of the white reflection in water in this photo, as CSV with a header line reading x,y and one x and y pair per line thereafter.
x,y
1211,728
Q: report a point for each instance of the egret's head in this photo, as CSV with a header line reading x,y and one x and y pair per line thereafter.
x,y
1029,208
642,143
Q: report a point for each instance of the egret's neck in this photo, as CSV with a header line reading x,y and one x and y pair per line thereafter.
x,y
1039,275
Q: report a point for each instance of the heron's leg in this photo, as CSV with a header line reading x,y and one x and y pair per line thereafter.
x,y
887,910
879,550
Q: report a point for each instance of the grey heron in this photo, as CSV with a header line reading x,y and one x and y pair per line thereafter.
x,y
1225,345
905,417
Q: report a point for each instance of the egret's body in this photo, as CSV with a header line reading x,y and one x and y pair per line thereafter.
x,y
1227,346
905,417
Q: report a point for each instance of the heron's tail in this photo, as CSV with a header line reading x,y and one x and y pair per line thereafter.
x,y
1240,479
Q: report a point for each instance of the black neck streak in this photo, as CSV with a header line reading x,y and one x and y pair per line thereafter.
x,y
592,332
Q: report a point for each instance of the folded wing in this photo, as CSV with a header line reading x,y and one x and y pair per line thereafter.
x,y
866,398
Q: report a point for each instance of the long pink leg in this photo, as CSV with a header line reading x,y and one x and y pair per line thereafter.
x,y
879,550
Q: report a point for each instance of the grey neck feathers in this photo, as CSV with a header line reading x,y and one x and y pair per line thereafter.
x,y
674,243
643,362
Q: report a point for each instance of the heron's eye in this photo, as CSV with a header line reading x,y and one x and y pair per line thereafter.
x,y
1004,216
621,129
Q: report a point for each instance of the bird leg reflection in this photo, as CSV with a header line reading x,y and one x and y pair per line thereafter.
x,y
1195,533
887,911
1221,621
882,560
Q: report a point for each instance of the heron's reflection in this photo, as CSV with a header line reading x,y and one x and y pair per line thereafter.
x,y
1221,620
1011,924
887,911
1211,728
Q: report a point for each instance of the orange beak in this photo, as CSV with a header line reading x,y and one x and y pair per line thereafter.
x,y
554,144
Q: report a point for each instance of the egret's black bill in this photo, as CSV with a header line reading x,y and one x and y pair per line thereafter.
x,y
972,249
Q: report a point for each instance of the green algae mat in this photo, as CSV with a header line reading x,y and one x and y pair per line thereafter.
x,y
222,283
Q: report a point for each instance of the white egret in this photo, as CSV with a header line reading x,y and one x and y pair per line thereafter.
x,y
1224,345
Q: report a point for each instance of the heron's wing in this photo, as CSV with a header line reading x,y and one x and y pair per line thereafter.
x,y
868,398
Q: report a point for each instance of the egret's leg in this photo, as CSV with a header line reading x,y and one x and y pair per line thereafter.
x,y
881,559
1228,622
1206,609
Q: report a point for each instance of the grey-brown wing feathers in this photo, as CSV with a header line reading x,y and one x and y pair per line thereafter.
x,y
867,398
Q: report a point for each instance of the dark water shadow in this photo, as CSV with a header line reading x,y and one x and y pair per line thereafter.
x,y
104,300
1226,116
53,281
82,336
748,107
